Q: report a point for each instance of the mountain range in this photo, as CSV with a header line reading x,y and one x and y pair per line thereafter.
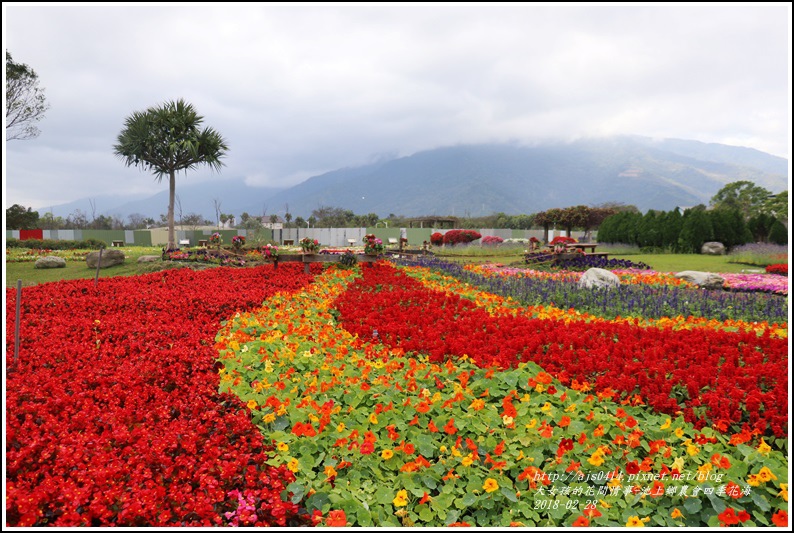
x,y
477,180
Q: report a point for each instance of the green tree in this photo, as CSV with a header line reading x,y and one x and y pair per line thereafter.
x,y
777,206
759,226
167,139
696,229
17,217
778,233
25,101
745,196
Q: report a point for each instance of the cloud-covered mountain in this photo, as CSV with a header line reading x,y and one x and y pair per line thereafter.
x,y
475,180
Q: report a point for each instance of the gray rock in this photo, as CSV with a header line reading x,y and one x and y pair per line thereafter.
x,y
706,280
712,248
149,258
598,278
50,261
109,258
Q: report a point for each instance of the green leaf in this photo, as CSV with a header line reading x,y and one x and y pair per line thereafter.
x,y
509,493
692,505
384,495
426,514
760,501
297,490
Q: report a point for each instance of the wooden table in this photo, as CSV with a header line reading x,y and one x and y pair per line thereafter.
x,y
583,246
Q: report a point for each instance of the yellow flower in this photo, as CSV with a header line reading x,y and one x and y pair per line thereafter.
x,y
604,504
373,418
387,454
679,432
614,482
525,398
330,471
546,407
634,521
766,474
401,500
691,449
282,447
490,485
532,423
443,449
341,427
571,408
597,459
764,448
282,410
455,452
251,404
678,464
666,424
507,420
468,460
676,513
477,404
293,465
783,491
753,480
269,418
539,387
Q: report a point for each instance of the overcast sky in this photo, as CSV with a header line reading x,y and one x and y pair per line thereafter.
x,y
297,90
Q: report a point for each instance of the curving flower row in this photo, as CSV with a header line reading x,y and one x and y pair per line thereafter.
x,y
714,377
378,436
113,416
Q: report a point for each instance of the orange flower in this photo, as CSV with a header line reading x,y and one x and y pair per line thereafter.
x,y
426,498
431,427
477,405
564,421
581,522
336,519
450,428
780,519
592,511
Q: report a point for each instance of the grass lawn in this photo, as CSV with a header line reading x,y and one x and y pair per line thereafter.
x,y
77,269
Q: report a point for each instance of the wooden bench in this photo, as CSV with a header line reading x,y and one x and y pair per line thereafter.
x,y
203,243
289,242
117,244
605,255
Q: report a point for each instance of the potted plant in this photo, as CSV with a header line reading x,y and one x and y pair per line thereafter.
x,y
372,245
309,246
216,239
238,241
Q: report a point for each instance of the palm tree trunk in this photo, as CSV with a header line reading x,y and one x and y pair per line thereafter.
x,y
171,195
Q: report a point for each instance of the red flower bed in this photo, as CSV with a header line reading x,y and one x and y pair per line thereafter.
x,y
717,377
780,268
461,236
112,413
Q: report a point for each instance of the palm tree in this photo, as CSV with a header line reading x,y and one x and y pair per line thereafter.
x,y
167,139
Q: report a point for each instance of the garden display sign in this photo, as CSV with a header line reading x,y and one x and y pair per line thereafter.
x,y
400,397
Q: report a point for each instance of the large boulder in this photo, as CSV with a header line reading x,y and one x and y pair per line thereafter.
x,y
712,248
149,258
109,258
50,261
599,278
705,280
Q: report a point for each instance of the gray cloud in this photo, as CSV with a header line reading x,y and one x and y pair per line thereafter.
x,y
301,89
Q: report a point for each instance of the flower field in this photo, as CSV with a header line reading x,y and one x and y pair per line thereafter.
x,y
113,415
411,399
391,396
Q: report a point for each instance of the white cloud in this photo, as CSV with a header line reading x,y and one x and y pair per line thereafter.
x,y
301,89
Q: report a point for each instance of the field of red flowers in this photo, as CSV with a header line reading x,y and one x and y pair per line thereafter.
x,y
380,396
113,416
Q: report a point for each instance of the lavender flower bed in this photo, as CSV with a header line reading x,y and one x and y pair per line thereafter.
x,y
626,300
584,262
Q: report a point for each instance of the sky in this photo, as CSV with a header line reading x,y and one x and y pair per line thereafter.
x,y
301,89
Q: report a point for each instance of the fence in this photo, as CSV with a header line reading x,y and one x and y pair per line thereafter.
x,y
334,237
